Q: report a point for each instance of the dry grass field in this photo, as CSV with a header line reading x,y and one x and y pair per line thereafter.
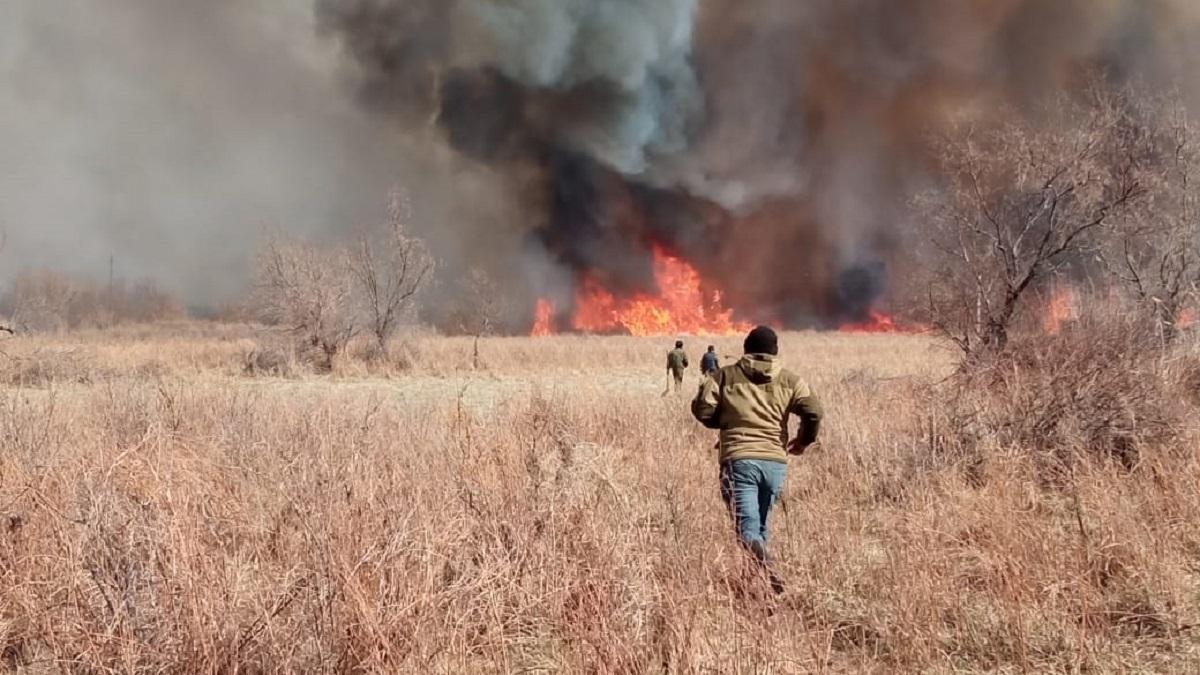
x,y
162,510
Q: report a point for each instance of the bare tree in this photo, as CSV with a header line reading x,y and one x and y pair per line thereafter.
x,y
1020,202
1155,250
48,301
145,301
389,270
307,289
480,307
41,300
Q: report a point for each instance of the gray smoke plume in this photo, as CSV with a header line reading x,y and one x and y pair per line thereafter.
x,y
773,143
168,135
607,79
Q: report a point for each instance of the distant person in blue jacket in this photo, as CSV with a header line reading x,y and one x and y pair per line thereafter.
x,y
710,362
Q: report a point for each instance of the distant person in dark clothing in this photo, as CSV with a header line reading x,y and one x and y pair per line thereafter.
x,y
677,364
710,362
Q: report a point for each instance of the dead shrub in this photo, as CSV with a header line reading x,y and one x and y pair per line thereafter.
x,y
306,289
1186,374
270,361
42,368
45,301
406,355
327,295
1095,390
40,301
367,353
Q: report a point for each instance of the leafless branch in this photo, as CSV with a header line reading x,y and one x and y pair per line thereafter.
x,y
390,269
1021,203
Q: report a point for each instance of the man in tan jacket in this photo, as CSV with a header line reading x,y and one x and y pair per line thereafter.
x,y
751,402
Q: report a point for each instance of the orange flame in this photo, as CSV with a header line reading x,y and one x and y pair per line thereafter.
x,y
543,324
681,306
878,322
1062,309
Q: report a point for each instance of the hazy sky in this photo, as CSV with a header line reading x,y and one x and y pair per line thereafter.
x,y
169,133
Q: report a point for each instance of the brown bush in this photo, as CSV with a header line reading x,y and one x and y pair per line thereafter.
x,y
45,301
1187,374
41,368
40,301
307,289
270,360
406,355
1096,389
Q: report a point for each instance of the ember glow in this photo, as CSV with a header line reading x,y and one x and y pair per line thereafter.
x,y
682,306
1186,318
1061,310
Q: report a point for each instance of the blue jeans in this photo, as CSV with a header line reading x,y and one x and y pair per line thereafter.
x,y
750,488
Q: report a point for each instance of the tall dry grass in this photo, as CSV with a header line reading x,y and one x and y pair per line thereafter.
x,y
163,511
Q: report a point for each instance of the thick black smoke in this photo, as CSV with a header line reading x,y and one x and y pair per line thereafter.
x,y
574,102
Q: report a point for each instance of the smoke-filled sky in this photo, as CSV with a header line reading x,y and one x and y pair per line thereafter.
x,y
543,139
168,134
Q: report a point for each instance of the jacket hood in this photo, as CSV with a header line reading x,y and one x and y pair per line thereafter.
x,y
760,368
